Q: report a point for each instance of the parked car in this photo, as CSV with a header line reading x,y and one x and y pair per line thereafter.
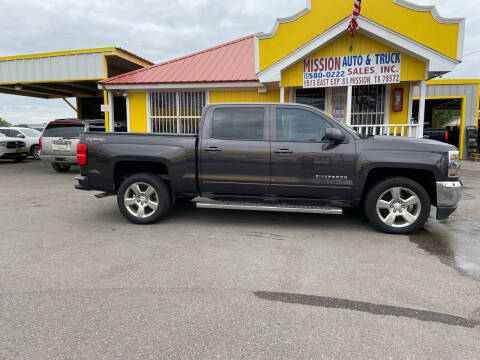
x,y
30,136
58,143
449,135
12,148
274,157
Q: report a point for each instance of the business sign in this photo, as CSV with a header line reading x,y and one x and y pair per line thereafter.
x,y
338,112
105,107
370,69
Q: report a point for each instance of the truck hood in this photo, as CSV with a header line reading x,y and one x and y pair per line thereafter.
x,y
401,143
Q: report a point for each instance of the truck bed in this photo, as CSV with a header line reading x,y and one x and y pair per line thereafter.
x,y
111,153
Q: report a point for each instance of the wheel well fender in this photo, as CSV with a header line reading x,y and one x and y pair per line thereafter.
x,y
124,169
425,178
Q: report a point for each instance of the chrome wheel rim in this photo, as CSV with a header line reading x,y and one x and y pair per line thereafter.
x,y
398,207
36,153
141,200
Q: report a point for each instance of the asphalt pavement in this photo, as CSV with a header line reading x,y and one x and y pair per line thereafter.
x,y
77,281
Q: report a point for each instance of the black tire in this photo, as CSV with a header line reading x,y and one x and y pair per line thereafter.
x,y
34,152
162,196
377,216
61,168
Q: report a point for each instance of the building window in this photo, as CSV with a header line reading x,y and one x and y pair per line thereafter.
x,y
368,105
313,97
176,112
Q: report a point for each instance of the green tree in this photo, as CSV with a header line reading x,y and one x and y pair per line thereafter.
x,y
22,125
4,122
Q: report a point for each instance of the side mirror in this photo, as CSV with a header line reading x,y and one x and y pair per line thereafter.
x,y
21,136
334,135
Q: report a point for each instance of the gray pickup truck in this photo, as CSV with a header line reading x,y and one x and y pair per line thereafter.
x,y
273,157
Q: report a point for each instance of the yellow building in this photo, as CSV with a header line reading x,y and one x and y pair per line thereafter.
x,y
306,58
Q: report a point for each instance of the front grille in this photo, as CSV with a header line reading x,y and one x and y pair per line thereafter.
x,y
15,144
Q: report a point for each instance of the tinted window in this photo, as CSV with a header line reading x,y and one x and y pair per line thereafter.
x,y
300,125
14,133
238,123
63,130
5,132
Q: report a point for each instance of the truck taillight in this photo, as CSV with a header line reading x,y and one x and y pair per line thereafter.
x,y
40,143
81,154
446,135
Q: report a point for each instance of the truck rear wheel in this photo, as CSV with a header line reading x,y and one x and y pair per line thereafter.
x,y
397,205
143,198
60,167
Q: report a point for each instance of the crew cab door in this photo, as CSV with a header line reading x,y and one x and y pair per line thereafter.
x,y
303,163
234,151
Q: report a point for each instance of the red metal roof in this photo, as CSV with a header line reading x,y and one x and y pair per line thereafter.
x,y
232,61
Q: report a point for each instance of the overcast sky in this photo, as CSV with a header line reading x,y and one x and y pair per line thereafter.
x,y
160,30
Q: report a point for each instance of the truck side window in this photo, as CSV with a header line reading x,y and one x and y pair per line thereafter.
x,y
238,123
300,125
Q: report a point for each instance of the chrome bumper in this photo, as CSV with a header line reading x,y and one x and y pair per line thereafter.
x,y
449,194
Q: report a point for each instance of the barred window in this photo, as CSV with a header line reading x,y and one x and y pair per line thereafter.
x,y
368,104
176,112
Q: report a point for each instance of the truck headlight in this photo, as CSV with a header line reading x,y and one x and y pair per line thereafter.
x,y
453,164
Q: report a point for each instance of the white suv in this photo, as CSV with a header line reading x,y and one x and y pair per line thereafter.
x,y
31,137
12,148
59,143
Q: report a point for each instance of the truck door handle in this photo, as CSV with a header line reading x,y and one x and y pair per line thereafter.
x,y
283,151
213,149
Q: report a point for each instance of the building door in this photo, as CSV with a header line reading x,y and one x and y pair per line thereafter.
x,y
331,100
337,102
120,114
303,164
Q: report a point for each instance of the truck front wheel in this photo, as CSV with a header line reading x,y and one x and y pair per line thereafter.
x,y
143,198
397,205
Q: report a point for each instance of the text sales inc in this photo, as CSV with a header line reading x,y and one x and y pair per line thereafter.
x,y
352,70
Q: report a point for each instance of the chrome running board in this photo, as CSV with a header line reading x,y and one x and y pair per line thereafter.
x,y
261,206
